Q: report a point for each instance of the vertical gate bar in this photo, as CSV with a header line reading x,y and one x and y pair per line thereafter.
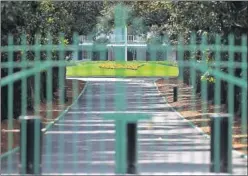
x,y
89,107
103,91
121,96
228,125
88,69
24,80
230,97
102,58
215,145
205,83
204,87
193,82
180,50
23,147
31,137
37,99
131,148
37,129
103,107
120,126
60,89
153,59
120,129
193,72
175,92
37,76
217,88
75,94
220,141
118,163
49,103
85,52
125,40
10,102
168,49
120,147
160,58
181,61
91,49
244,93
23,143
37,146
215,125
140,102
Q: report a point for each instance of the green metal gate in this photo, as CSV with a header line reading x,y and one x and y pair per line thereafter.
x,y
125,125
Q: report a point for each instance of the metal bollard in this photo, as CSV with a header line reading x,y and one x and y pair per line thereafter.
x,y
221,143
175,94
131,148
30,145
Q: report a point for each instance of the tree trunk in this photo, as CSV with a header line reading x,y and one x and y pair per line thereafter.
x,y
4,98
64,89
55,82
43,84
30,93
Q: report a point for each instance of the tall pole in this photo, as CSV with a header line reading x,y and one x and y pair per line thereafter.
x,y
30,145
125,43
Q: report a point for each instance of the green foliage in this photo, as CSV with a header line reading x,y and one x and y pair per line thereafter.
x,y
48,17
45,21
152,12
84,14
106,22
207,77
212,17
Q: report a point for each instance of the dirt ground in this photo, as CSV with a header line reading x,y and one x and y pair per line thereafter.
x,y
57,108
192,110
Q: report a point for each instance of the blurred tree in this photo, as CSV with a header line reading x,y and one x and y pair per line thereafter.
x,y
24,20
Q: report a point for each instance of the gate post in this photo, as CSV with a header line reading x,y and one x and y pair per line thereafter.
x,y
221,143
30,145
175,94
131,148
125,143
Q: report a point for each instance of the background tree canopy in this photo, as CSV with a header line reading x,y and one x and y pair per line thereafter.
x,y
24,20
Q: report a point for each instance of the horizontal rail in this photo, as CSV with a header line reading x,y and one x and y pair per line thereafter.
x,y
224,76
18,130
41,66
25,64
222,64
155,47
19,75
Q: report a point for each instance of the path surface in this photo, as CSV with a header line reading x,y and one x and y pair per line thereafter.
x,y
82,142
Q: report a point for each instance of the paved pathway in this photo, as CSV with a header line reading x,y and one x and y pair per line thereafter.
x,y
82,142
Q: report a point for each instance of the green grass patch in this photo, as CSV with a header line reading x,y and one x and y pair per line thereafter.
x,y
123,69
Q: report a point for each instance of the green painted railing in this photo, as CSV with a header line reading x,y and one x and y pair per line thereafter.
x,y
95,127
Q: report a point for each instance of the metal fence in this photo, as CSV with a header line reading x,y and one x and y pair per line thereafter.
x,y
123,118
129,125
